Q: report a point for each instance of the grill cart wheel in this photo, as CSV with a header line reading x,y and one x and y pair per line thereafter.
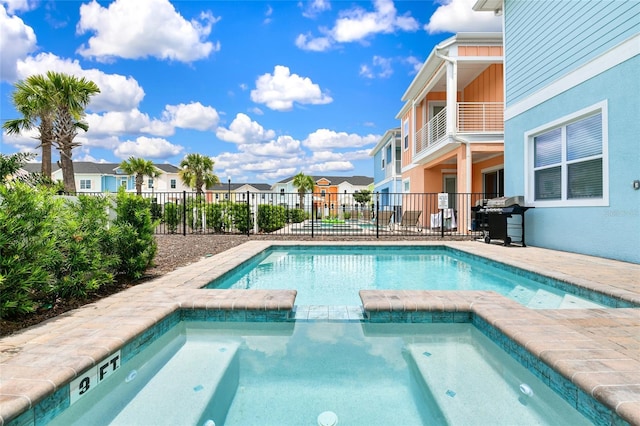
x,y
507,241
487,239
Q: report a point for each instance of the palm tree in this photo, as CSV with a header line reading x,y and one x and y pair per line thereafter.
x,y
32,98
304,184
70,95
196,171
140,168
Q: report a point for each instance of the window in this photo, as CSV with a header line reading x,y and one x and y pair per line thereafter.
x,y
405,134
173,183
406,187
123,182
85,183
150,183
567,162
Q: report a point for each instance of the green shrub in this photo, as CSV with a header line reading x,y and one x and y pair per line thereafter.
x,y
195,208
27,246
242,217
134,238
271,218
346,215
87,257
171,217
215,217
295,215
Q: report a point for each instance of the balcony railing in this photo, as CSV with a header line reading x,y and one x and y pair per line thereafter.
x,y
480,117
471,117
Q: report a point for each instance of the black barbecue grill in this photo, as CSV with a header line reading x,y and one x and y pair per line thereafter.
x,y
492,218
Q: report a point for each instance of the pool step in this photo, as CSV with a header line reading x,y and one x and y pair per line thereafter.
x,y
466,385
197,384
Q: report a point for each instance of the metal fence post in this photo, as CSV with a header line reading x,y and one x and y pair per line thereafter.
x,y
377,212
184,213
248,214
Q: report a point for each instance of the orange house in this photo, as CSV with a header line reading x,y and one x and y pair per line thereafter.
x,y
452,123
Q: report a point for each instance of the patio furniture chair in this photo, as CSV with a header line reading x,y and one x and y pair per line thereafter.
x,y
383,219
411,219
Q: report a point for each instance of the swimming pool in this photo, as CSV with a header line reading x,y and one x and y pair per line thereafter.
x,y
334,275
290,373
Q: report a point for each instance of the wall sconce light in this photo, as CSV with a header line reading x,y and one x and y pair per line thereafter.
x,y
497,12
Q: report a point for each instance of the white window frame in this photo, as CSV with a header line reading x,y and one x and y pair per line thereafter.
x,y
382,156
124,182
85,183
173,183
529,180
406,186
405,134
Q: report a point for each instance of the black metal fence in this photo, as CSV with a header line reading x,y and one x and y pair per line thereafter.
x,y
379,215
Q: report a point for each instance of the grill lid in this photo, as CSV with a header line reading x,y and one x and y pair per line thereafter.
x,y
505,201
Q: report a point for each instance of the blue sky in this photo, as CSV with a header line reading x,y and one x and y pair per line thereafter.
x,y
266,88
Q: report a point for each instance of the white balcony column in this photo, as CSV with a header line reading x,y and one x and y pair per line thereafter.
x,y
452,95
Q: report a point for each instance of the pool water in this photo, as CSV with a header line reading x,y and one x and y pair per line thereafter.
x,y
290,373
334,276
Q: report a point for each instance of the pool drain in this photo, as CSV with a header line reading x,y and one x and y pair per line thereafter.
x,y
328,418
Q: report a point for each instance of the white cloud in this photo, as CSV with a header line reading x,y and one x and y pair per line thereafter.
x,y
17,40
267,14
317,44
381,68
414,63
331,166
314,8
244,131
357,24
458,15
142,28
283,146
24,141
277,175
14,6
278,91
256,111
117,92
131,122
323,139
192,116
144,147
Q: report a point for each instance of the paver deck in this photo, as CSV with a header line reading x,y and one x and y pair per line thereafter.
x,y
597,349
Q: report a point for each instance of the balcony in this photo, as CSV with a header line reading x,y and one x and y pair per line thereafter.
x,y
471,118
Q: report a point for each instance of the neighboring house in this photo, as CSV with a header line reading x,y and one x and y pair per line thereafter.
x,y
572,121
332,195
452,125
237,192
387,168
108,177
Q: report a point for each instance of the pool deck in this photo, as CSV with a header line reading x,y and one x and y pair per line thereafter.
x,y
597,349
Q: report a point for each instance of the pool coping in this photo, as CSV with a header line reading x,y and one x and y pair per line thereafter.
x,y
81,338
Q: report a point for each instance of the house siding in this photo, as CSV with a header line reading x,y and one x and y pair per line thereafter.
x,y
611,231
487,87
541,43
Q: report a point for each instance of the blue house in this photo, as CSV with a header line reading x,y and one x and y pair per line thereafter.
x,y
387,169
572,122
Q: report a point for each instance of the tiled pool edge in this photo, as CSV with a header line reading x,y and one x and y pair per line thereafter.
x,y
613,299
598,412
43,411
